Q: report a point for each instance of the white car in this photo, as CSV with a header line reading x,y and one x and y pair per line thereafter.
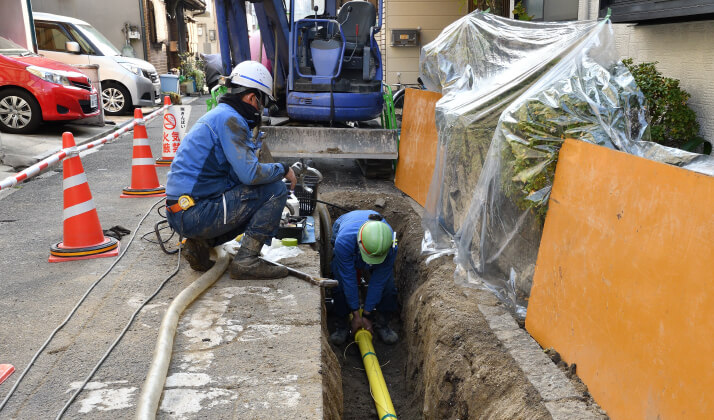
x,y
126,82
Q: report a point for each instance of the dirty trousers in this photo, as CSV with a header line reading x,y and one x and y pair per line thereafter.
x,y
251,209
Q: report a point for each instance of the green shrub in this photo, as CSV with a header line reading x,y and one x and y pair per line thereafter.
x,y
672,122
193,67
520,12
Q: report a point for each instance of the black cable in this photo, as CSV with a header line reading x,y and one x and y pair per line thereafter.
x,y
330,204
161,241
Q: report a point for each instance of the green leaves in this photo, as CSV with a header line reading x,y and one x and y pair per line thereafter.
x,y
673,123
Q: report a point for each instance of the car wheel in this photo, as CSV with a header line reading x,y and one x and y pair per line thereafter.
x,y
116,99
20,112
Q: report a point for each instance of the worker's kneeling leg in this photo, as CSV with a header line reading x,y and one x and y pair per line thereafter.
x,y
265,221
263,225
386,308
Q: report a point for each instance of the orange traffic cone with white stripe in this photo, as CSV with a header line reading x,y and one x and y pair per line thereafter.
x,y
144,181
82,237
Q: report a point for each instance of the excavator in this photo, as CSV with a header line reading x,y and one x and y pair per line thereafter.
x,y
327,74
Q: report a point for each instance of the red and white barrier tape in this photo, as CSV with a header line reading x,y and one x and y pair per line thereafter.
x,y
72,151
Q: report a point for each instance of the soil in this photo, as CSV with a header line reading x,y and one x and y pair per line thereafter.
x,y
447,363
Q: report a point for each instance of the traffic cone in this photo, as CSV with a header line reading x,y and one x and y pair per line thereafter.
x,y
166,156
5,372
144,181
83,237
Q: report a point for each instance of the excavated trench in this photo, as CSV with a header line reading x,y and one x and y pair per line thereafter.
x,y
448,363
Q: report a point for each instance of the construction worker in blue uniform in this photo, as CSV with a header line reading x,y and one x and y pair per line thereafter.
x,y
217,188
362,240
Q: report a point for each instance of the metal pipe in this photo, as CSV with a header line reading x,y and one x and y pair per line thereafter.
x,y
144,44
377,386
156,378
317,281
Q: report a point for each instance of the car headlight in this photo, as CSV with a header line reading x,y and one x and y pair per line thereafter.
x,y
132,68
49,75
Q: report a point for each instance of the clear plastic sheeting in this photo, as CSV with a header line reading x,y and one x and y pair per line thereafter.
x,y
513,91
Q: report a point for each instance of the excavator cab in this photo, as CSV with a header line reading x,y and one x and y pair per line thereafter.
x,y
335,71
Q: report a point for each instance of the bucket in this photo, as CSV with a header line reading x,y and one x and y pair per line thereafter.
x,y
325,58
169,83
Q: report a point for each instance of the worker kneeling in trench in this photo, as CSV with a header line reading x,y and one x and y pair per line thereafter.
x,y
363,241
217,189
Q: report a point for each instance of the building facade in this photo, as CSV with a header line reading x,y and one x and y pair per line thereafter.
x,y
684,50
154,30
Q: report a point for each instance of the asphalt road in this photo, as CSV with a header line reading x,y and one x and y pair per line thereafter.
x,y
237,352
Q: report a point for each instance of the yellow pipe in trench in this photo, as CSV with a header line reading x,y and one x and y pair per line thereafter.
x,y
380,393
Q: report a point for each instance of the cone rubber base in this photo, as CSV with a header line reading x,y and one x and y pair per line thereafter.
x,y
164,162
60,253
159,191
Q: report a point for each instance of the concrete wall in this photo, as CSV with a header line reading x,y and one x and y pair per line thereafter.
x,y
431,16
15,23
685,51
107,16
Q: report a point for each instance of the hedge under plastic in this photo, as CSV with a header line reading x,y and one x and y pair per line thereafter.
x,y
513,91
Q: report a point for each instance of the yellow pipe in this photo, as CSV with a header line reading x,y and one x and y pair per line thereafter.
x,y
380,393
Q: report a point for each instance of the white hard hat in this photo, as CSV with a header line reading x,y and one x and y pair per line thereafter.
x,y
253,75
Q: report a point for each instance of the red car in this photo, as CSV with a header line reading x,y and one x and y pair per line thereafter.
x,y
35,89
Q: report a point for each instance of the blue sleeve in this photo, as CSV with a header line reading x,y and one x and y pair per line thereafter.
x,y
378,279
343,267
234,139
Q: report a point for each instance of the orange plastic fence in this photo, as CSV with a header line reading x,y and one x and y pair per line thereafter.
x,y
624,283
417,144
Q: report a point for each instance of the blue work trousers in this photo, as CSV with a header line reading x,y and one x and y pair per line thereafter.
x,y
387,304
251,209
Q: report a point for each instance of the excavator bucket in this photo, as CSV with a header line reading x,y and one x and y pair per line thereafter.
x,y
335,143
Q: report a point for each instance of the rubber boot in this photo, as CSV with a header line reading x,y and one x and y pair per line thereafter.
x,y
342,331
246,265
382,330
196,252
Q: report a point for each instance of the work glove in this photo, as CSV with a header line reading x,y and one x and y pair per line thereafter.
x,y
359,321
116,232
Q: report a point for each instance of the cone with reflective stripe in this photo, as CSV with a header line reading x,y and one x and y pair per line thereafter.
x,y
82,237
144,181
165,159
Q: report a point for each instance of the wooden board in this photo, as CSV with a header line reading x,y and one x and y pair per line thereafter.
x,y
624,283
417,144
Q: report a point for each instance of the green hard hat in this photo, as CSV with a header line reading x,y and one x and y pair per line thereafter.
x,y
375,241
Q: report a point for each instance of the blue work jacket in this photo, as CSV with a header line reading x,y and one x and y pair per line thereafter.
x,y
216,156
346,260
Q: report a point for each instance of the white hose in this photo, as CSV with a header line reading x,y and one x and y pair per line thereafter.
x,y
156,378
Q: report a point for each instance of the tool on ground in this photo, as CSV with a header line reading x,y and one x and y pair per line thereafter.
x,y
377,385
144,181
317,281
82,237
116,232
5,372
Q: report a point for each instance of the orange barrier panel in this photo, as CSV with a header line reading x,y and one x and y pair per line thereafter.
x,y
624,285
417,144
